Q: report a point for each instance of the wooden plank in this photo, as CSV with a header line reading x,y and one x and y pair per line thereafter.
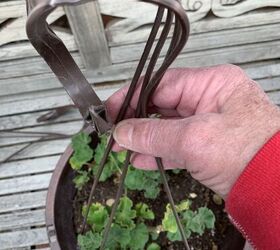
x,y
49,99
275,97
23,201
87,26
27,167
44,100
28,66
15,29
270,84
204,41
238,7
41,82
25,50
39,149
267,69
30,119
23,238
118,36
10,138
19,220
24,184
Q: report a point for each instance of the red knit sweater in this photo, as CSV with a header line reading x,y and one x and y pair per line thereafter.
x,y
254,201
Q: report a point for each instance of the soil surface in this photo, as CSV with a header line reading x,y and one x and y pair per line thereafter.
x,y
183,186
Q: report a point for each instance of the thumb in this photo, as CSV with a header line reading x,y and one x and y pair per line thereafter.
x,y
156,137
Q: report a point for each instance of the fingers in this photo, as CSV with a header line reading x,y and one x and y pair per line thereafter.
x,y
147,162
156,137
184,92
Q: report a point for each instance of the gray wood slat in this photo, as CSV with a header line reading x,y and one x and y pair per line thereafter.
x,y
90,38
16,202
46,100
30,119
23,238
24,184
10,138
38,149
24,219
204,41
27,167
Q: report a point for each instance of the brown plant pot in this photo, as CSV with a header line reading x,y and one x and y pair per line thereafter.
x,y
60,213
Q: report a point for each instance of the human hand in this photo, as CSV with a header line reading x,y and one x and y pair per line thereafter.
x,y
214,120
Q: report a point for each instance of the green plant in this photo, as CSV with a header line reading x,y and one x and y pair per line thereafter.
x,y
83,154
128,231
193,221
147,181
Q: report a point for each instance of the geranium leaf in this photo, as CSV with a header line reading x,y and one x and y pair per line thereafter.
x,y
153,246
81,179
97,217
139,237
207,217
89,241
169,222
143,212
125,214
118,235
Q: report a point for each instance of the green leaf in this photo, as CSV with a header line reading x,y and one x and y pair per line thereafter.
x,y
207,217
148,181
99,151
134,179
143,212
154,235
97,217
125,214
89,241
169,222
118,236
121,156
139,237
196,225
183,206
151,189
177,236
80,139
81,179
82,151
111,166
153,246
174,236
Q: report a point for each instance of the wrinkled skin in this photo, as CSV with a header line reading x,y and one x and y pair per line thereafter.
x,y
214,120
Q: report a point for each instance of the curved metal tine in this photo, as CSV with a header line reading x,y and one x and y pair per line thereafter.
x,y
124,106
172,203
164,179
151,87
150,68
54,52
117,200
184,24
154,59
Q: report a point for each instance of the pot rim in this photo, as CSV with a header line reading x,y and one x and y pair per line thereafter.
x,y
52,193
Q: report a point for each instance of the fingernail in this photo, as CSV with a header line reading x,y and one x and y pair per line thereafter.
x,y
123,134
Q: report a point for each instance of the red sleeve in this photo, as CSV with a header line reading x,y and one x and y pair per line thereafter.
x,y
254,202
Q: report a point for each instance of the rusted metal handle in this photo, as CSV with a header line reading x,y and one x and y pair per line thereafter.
x,y
52,49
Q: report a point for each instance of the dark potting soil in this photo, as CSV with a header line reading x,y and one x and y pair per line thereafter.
x,y
183,186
